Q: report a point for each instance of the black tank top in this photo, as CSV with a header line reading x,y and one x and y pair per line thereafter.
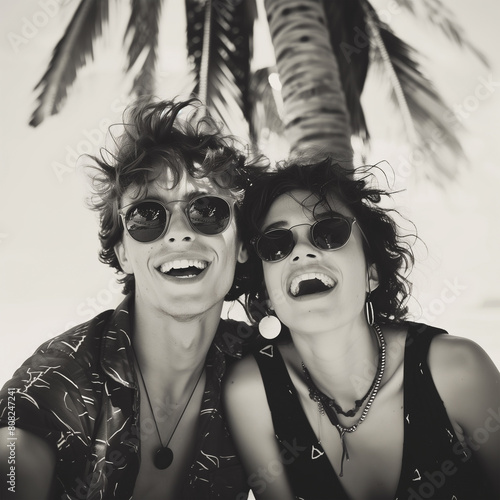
x,y
435,464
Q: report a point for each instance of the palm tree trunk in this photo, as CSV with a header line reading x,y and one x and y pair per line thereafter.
x,y
315,113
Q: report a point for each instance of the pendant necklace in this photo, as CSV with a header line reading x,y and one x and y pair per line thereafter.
x,y
329,406
164,456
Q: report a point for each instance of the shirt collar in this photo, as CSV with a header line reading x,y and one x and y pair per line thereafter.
x,y
116,354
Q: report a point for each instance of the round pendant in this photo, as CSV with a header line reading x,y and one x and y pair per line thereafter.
x,y
163,458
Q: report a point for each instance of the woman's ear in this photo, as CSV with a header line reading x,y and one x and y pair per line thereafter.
x,y
372,281
121,255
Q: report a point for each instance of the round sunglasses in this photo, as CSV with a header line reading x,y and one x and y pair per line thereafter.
x,y
331,233
147,221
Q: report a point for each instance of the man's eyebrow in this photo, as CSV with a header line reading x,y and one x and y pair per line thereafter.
x,y
202,192
275,225
188,196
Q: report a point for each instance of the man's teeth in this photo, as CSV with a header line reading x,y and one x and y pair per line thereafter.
x,y
183,264
295,284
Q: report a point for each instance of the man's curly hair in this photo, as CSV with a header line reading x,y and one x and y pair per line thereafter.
x,y
325,178
166,135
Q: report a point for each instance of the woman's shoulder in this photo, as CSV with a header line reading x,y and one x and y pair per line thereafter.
x,y
244,382
245,399
450,355
242,372
465,377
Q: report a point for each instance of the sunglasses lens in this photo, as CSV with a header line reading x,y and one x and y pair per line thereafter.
x,y
333,233
275,245
209,214
146,221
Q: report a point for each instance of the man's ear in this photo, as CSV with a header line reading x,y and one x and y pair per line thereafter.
x,y
242,253
121,254
372,278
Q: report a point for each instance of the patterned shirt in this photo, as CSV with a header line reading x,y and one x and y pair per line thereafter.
x,y
79,392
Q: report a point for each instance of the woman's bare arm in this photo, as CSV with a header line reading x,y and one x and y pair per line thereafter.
x,y
469,385
252,429
33,462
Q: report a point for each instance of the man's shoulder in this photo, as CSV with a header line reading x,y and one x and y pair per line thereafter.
x,y
72,355
81,341
62,377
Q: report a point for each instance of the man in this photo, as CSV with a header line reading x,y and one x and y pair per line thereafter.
x,y
128,404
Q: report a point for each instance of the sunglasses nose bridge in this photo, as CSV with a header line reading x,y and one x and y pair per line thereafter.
x,y
178,227
303,244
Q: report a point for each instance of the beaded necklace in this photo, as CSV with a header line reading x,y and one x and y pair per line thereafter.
x,y
330,406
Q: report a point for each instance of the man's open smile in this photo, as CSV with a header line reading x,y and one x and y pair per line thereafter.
x,y
184,269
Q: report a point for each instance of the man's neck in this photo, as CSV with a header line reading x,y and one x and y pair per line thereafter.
x,y
172,350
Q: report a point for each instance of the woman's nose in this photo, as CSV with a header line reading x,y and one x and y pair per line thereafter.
x,y
304,247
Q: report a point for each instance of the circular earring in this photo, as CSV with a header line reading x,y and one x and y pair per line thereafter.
x,y
269,327
370,314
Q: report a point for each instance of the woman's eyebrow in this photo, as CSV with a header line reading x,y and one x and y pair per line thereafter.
x,y
275,225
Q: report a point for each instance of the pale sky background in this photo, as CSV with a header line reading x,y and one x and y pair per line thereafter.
x,y
50,277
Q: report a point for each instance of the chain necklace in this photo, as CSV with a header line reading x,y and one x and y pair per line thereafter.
x,y
164,456
323,400
328,406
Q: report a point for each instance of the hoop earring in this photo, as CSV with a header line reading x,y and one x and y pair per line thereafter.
x,y
370,314
269,327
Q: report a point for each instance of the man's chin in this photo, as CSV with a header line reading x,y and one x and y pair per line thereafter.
x,y
186,308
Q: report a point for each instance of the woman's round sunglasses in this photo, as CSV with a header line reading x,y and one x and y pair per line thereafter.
x,y
148,220
331,233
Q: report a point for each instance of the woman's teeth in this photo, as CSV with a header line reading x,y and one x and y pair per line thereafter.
x,y
323,282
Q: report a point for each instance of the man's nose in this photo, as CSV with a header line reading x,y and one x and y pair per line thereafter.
x,y
179,228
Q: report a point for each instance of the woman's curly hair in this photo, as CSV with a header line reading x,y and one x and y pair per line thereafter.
x,y
158,136
390,252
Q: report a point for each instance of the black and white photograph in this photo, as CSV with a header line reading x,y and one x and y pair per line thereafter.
x,y
249,250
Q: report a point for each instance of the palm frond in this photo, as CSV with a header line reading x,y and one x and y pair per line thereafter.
x,y
144,26
375,27
219,43
439,15
347,26
425,109
69,55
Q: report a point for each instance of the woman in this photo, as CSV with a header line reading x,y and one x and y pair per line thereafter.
x,y
351,400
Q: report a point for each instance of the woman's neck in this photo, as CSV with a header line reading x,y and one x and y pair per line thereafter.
x,y
342,361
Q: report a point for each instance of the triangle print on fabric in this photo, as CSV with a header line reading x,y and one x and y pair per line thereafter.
x,y
268,350
315,453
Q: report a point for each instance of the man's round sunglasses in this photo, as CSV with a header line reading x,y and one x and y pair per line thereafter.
x,y
331,233
147,221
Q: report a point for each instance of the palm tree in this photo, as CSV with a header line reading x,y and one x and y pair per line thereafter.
x,y
323,51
